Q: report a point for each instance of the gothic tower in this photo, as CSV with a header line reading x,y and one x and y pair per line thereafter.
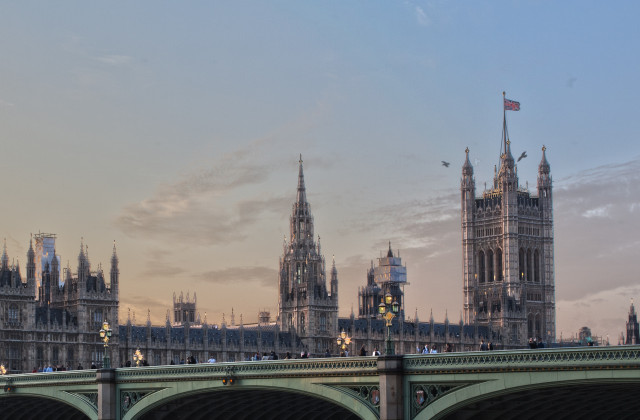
x,y
507,247
305,304
633,335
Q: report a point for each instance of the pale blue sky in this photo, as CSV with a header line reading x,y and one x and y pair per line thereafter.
x,y
175,128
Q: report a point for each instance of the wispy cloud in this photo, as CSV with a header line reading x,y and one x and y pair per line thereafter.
x,y
421,16
264,276
602,212
115,60
200,209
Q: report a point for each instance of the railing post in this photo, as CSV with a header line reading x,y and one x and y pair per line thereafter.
x,y
391,376
106,379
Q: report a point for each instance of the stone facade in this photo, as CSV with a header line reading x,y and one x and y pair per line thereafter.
x,y
61,327
508,261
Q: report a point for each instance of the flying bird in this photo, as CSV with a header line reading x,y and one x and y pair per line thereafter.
x,y
522,156
445,164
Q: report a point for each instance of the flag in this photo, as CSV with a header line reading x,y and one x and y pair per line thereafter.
x,y
510,105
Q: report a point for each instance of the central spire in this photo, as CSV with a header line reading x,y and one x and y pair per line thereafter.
x,y
302,195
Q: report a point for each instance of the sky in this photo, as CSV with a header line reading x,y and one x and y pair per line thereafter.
x,y
175,130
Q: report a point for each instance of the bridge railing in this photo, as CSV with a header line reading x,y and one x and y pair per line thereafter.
x,y
618,357
342,366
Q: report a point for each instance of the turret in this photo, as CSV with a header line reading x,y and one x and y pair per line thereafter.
x,y
334,280
31,266
115,272
544,181
5,257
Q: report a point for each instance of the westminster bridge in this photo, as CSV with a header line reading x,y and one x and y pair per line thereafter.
x,y
565,383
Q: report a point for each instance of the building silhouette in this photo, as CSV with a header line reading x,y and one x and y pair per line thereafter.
x,y
633,333
60,328
53,318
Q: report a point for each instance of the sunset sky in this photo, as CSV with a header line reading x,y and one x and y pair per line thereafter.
x,y
175,129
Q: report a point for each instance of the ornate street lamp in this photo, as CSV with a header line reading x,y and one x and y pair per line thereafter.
x,y
388,308
3,370
105,335
138,357
343,341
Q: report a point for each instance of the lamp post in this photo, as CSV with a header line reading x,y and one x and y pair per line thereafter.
x,y
138,357
105,335
343,341
3,370
388,308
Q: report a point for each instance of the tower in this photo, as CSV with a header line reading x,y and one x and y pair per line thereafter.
x,y
633,334
184,311
305,305
507,248
390,276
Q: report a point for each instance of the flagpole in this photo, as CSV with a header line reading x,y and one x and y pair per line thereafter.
x,y
503,146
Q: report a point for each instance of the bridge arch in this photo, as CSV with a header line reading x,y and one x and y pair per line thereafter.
x,y
535,395
280,399
31,406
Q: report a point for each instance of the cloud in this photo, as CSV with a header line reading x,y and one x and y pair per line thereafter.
x,y
602,212
264,276
115,60
201,208
421,16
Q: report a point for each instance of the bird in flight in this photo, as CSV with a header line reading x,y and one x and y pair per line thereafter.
x,y
522,156
445,164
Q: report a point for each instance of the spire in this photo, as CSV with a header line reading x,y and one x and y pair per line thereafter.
x,y
390,252
302,195
544,167
467,169
5,257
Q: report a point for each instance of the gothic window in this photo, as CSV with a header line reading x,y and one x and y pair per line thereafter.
x,y
13,358
529,265
530,331
490,266
521,264
55,356
536,266
323,322
176,316
97,355
303,328
192,316
499,264
40,357
298,272
13,315
481,267
97,317
289,320
70,360
538,329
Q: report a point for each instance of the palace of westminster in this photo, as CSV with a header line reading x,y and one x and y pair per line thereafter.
x,y
52,316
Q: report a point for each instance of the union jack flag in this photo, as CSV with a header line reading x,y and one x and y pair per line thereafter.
x,y
510,105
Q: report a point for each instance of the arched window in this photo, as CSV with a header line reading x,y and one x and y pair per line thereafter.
x,y
323,322
490,271
530,330
529,266
521,267
13,314
303,328
536,266
481,267
499,275
538,329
